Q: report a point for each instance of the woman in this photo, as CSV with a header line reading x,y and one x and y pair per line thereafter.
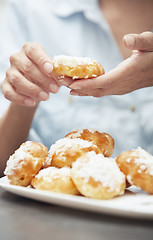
x,y
91,28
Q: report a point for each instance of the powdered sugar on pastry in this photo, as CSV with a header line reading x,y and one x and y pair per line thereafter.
x,y
137,165
55,180
71,61
91,130
100,169
62,145
17,157
67,150
143,158
103,141
76,133
25,163
65,143
50,173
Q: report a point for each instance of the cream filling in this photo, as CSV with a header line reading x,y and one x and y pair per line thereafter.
x,y
71,61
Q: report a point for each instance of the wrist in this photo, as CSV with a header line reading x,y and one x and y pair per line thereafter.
x,y
22,109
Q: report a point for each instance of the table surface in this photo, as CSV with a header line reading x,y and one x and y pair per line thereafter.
x,y
26,219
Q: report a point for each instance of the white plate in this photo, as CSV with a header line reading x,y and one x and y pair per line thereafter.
x,y
134,204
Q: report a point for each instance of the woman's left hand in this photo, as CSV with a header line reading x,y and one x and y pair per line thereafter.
x,y
133,73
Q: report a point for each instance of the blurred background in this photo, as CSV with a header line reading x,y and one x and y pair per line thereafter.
x,y
2,4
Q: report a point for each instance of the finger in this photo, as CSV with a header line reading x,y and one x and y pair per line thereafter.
x,y
65,81
94,93
97,92
76,93
86,84
25,87
103,81
11,95
141,42
106,81
32,72
36,53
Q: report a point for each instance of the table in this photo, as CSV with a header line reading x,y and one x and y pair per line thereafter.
x,y
26,219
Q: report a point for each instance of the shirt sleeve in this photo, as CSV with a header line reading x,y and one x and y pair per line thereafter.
x,y
14,33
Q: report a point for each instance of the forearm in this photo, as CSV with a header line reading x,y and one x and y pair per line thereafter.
x,y
14,129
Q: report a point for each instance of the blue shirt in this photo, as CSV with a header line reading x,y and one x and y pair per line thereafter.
x,y
76,28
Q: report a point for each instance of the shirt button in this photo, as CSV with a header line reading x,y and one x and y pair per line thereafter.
x,y
132,108
69,99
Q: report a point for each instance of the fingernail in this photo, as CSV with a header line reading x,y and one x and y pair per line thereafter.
x,y
29,102
53,88
73,86
48,67
74,93
129,40
63,82
43,96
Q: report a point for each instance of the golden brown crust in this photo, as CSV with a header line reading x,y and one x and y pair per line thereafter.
x,y
103,141
94,69
136,171
25,163
76,67
94,189
55,180
66,151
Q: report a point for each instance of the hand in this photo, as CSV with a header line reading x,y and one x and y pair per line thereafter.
x,y
29,78
134,73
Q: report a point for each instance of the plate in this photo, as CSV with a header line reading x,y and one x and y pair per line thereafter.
x,y
134,203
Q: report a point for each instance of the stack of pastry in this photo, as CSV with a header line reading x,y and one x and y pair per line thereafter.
x,y
80,163
87,152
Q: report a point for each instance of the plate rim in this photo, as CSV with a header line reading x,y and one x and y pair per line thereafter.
x,y
111,207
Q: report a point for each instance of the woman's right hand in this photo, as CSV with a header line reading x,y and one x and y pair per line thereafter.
x,y
29,78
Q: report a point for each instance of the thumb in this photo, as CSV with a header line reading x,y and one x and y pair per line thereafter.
x,y
141,42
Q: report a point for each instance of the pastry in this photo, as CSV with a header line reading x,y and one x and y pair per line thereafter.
x,y
137,165
25,163
103,141
65,151
96,176
55,180
76,67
